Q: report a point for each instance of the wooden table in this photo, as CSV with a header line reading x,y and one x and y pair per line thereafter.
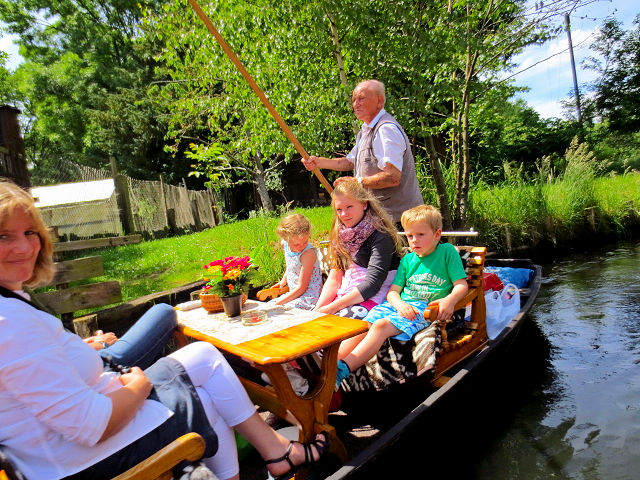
x,y
268,353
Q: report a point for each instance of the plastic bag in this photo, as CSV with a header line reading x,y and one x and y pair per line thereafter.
x,y
510,297
502,307
493,303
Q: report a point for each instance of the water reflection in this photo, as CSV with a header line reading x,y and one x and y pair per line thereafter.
x,y
592,322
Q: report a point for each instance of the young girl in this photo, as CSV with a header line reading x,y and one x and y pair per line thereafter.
x,y
302,274
365,251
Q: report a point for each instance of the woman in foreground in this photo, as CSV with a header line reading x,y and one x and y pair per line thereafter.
x,y
63,415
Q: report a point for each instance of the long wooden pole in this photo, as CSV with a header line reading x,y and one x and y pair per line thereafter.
x,y
236,61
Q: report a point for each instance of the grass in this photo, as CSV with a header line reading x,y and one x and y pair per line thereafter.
x,y
171,262
556,209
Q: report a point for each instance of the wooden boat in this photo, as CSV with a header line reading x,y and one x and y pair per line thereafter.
x,y
415,402
370,423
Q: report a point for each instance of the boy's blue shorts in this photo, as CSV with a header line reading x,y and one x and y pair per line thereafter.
x,y
407,327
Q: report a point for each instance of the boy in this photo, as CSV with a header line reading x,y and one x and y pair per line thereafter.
x,y
431,273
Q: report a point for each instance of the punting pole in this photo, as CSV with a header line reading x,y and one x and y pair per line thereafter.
x,y
236,61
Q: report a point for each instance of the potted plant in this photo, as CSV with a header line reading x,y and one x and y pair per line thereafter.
x,y
227,282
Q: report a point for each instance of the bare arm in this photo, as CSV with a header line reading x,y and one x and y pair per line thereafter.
x,y
308,261
330,288
390,176
127,400
341,163
96,341
448,303
351,298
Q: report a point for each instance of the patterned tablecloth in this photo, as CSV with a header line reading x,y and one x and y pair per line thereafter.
x,y
231,329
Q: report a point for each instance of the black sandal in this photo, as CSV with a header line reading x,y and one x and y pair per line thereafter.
x,y
321,446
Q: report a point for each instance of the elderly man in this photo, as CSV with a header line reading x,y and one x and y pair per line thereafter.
x,y
382,158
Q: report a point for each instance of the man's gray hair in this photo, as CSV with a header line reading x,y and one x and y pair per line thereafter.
x,y
376,85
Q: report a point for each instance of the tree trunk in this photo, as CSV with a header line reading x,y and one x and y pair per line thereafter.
x,y
261,186
462,203
438,180
335,38
466,168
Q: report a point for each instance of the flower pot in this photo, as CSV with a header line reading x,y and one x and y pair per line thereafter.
x,y
212,303
232,305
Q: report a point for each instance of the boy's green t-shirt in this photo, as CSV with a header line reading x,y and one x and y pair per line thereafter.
x,y
431,277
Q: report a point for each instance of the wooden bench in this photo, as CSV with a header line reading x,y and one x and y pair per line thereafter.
x,y
189,447
474,336
66,300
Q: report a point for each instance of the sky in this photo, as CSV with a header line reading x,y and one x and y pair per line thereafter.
x,y
551,81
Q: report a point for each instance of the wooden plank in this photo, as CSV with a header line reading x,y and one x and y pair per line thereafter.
x,y
79,269
81,297
96,243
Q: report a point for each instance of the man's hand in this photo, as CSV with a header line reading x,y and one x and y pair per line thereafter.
x,y
311,163
339,180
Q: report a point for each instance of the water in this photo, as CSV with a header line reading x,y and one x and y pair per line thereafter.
x,y
563,403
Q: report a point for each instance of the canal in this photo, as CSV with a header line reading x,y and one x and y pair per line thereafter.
x,y
563,402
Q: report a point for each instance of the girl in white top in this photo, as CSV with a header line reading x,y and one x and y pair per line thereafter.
x,y
61,413
302,275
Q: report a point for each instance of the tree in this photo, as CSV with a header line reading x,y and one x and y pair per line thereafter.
x,y
211,104
83,86
617,88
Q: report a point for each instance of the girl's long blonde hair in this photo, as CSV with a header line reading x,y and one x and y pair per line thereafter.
x,y
382,221
12,198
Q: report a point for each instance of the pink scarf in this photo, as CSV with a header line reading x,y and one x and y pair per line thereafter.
x,y
352,238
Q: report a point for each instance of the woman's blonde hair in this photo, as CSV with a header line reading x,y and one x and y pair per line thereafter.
x,y
426,214
381,220
12,198
293,225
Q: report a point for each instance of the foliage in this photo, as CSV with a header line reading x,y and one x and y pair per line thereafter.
x,y
8,92
228,277
82,87
616,89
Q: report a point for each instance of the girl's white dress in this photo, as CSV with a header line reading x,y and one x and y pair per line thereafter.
x,y
309,298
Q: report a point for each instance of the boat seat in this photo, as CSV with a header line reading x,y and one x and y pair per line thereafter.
x,y
436,349
189,447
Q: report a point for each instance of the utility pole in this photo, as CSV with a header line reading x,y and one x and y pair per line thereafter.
x,y
573,69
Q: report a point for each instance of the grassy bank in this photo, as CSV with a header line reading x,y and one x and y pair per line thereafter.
x,y
555,212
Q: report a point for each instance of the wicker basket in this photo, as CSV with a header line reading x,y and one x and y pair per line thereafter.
x,y
212,304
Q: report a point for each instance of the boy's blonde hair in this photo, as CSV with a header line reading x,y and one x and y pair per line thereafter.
x,y
427,214
13,198
293,225
340,258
